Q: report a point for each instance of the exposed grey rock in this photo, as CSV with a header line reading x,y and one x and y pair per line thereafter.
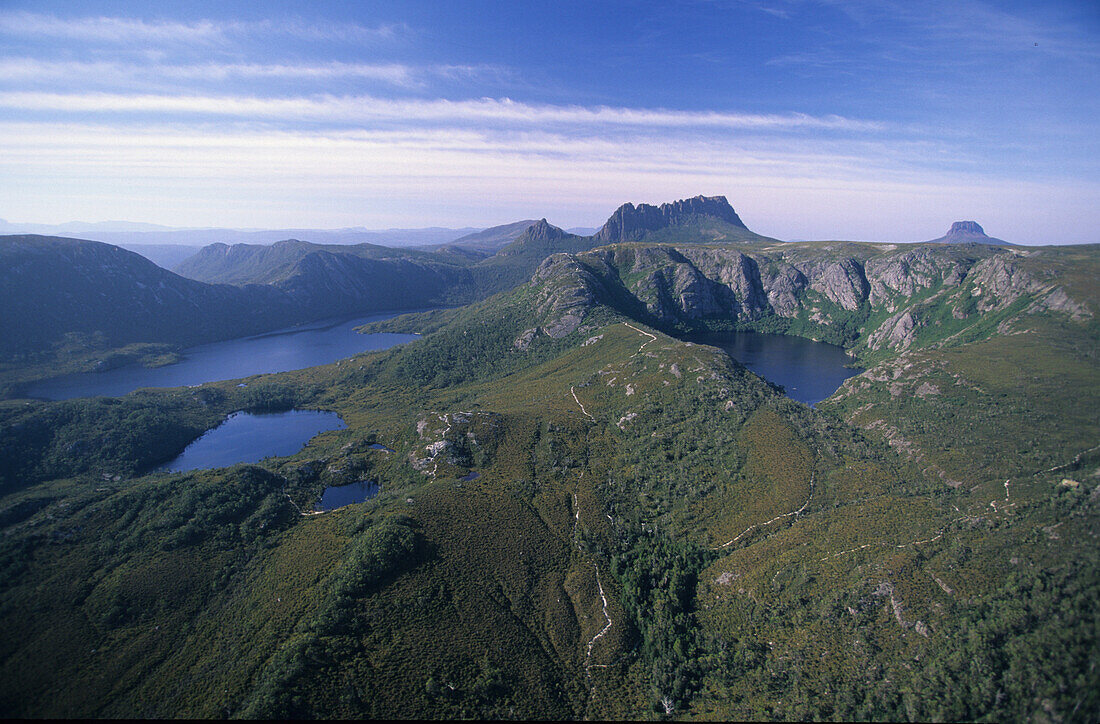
x,y
1059,301
630,222
568,291
783,284
688,282
523,342
841,282
1002,282
896,332
904,274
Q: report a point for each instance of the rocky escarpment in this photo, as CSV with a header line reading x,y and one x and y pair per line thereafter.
x,y
880,297
709,218
565,291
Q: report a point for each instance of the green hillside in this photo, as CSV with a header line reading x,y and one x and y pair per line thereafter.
x,y
63,297
654,530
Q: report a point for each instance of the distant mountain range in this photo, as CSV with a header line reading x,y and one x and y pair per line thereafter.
x,y
55,287
129,233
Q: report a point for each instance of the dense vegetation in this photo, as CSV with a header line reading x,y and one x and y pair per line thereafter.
x,y
653,531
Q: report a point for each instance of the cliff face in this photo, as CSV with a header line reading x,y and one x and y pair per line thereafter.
x,y
709,217
878,297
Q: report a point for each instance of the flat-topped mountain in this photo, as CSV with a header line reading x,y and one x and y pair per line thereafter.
x,y
702,218
967,232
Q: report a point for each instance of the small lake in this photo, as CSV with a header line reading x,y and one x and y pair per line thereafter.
x,y
249,438
809,371
337,496
283,350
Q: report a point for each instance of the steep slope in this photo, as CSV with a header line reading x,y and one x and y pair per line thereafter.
x,y
493,239
325,283
88,293
881,297
698,219
515,263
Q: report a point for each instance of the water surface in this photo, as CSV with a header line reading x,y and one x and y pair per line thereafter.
x,y
249,438
337,496
809,371
293,348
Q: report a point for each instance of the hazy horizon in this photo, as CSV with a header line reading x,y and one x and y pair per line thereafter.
x,y
817,119
118,227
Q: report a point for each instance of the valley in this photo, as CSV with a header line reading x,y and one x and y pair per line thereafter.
x,y
578,508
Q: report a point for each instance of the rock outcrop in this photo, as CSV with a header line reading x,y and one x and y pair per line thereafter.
x,y
633,223
906,289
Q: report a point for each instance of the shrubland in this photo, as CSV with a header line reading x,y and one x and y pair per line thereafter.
x,y
654,531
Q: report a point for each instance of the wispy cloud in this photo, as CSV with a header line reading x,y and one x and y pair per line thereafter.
x,y
31,69
119,74
971,25
349,109
200,175
121,30
106,29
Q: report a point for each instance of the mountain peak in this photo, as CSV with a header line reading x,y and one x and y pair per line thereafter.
x,y
542,230
969,228
967,232
631,223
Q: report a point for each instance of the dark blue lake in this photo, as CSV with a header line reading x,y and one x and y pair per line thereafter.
x,y
337,496
809,371
283,350
249,438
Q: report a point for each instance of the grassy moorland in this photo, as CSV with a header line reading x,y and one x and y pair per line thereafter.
x,y
654,532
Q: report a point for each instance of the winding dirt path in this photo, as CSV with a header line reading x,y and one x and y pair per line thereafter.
x,y
300,511
776,518
588,665
573,392
652,337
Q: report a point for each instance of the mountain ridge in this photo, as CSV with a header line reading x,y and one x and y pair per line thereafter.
x,y
583,517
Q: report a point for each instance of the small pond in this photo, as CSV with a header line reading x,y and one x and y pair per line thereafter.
x,y
809,371
337,496
293,348
249,438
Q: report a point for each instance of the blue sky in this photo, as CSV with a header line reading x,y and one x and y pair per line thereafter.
x,y
816,118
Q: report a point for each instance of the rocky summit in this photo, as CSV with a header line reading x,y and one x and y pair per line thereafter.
x,y
632,223
967,232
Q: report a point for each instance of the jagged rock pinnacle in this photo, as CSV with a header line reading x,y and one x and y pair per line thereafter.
x,y
542,230
630,222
